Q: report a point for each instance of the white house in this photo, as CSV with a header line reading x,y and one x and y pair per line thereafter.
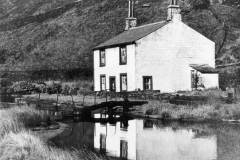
x,y
168,56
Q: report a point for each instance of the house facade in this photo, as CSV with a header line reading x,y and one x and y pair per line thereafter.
x,y
168,56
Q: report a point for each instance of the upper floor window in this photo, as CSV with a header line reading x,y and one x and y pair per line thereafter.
x,y
102,57
123,55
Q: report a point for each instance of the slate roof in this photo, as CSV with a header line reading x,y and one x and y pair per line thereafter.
x,y
204,68
132,35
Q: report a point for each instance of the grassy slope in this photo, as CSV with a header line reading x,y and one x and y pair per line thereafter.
x,y
46,35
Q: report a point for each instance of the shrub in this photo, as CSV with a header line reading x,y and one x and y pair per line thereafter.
x,y
200,4
53,87
165,114
84,85
4,82
185,116
23,86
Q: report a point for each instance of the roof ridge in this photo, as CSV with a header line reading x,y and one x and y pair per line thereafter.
x,y
147,25
132,35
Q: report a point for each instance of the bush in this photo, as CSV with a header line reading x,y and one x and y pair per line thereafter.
x,y
185,116
54,88
23,86
200,4
84,85
165,114
4,82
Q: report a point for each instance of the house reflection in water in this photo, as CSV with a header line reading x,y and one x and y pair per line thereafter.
x,y
144,139
141,140
119,138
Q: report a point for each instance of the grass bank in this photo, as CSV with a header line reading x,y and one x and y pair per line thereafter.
x,y
214,108
208,111
18,142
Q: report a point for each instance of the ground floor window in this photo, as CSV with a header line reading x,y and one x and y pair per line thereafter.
x,y
123,82
102,82
147,83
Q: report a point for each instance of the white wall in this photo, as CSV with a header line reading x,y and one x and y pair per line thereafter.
x,y
113,68
166,54
210,80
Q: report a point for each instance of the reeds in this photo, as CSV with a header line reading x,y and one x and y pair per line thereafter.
x,y
17,142
219,111
18,118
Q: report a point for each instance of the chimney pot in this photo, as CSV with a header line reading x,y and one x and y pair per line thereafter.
x,y
130,20
176,17
173,9
130,23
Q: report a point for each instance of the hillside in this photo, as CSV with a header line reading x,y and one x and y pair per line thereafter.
x,y
53,34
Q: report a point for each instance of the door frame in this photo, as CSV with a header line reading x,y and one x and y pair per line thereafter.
x,y
110,82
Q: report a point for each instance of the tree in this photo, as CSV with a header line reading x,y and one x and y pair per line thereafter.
x,y
200,4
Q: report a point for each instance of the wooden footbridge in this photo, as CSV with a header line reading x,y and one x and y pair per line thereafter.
x,y
83,111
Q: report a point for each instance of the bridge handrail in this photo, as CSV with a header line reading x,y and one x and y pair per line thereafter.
x,y
90,93
123,94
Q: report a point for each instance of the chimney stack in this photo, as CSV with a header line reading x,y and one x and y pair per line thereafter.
x,y
130,20
173,8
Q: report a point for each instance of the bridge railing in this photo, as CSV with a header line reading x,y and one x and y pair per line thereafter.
x,y
141,95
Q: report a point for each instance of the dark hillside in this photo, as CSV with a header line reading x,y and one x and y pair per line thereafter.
x,y
39,18
53,34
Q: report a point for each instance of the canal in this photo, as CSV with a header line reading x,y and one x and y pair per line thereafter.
x,y
144,139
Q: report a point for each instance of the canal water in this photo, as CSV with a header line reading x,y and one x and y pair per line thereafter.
x,y
140,139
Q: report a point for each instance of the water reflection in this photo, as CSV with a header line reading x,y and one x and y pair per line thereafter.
x,y
147,139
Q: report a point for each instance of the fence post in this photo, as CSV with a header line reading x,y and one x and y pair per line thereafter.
x,y
106,95
95,97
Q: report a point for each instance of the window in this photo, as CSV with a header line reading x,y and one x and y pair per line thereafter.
x,y
102,82
123,82
147,83
102,58
123,55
